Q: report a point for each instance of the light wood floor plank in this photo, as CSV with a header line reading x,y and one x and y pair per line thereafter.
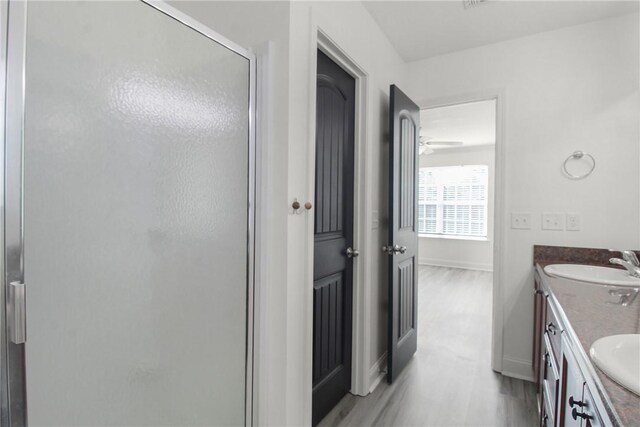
x,y
449,381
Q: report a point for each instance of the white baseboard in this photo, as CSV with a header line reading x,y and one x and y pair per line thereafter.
x,y
455,264
517,368
377,372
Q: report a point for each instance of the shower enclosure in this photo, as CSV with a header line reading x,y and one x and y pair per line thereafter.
x,y
128,218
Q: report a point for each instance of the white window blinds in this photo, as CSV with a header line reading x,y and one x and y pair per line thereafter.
x,y
452,200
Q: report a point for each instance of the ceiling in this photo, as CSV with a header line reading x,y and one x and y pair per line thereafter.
x,y
472,123
421,29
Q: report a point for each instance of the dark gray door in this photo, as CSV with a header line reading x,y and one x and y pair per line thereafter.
x,y
403,233
333,269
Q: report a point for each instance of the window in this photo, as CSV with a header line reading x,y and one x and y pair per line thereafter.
x,y
452,200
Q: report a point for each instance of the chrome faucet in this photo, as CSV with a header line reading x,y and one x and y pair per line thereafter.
x,y
629,261
631,257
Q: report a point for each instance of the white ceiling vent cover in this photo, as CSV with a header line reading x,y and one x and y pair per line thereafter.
x,y
472,3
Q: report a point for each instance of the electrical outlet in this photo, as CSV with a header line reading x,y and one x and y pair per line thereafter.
x,y
521,220
573,221
552,221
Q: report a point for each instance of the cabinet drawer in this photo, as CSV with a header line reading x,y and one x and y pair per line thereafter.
x,y
551,379
552,329
548,415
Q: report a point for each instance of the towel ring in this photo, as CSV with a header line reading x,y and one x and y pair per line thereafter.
x,y
577,155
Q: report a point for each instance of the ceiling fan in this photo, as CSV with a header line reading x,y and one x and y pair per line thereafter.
x,y
427,144
429,141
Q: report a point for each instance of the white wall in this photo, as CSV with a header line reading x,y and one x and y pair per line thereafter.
x,y
572,89
472,254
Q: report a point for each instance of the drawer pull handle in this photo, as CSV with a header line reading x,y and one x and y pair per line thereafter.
x,y
575,414
547,359
573,402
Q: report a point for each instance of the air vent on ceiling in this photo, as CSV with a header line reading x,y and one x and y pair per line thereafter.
x,y
472,3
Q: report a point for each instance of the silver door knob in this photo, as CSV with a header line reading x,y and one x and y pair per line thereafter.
x,y
394,250
352,253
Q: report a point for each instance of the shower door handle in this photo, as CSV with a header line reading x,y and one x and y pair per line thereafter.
x,y
17,313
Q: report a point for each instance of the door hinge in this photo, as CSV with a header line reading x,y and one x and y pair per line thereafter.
x,y
17,318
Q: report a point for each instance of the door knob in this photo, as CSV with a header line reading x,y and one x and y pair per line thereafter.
x,y
352,253
394,250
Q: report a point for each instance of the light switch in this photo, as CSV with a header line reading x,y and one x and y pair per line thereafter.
x,y
521,220
552,221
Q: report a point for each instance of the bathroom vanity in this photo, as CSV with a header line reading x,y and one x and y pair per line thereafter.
x,y
569,316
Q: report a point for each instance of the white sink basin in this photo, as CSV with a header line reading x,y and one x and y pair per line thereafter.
x,y
593,274
618,356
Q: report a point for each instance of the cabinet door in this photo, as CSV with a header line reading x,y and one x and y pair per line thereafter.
x,y
572,391
577,404
588,413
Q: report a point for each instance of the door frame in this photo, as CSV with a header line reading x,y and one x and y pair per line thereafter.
x,y
361,325
12,70
499,214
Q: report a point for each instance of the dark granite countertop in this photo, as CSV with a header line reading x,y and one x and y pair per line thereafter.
x,y
589,313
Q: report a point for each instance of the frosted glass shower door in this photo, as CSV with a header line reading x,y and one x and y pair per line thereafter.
x,y
136,201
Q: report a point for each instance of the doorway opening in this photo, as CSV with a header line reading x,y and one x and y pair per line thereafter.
x,y
456,185
457,227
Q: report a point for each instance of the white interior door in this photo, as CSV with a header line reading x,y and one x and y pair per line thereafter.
x,y
136,200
